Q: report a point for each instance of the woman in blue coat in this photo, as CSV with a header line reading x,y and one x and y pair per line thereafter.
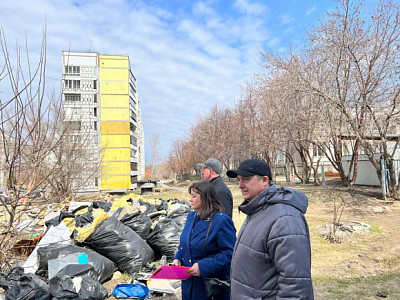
x,y
221,240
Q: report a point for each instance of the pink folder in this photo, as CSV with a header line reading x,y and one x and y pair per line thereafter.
x,y
171,272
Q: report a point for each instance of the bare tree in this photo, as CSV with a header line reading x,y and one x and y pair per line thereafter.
x,y
358,47
24,134
154,145
32,132
336,94
351,64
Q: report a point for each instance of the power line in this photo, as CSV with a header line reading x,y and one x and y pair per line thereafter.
x,y
97,26
80,22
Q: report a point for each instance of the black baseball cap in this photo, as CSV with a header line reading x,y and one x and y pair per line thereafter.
x,y
250,167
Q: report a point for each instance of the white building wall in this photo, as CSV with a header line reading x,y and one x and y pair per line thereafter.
x,y
366,173
86,110
141,152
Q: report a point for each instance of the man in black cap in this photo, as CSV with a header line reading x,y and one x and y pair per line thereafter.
x,y
272,255
211,171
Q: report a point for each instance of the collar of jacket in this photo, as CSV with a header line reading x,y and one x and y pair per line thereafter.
x,y
215,179
258,202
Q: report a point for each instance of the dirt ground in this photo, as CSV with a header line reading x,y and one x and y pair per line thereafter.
x,y
356,256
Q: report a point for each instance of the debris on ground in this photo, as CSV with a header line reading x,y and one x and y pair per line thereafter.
x,y
77,248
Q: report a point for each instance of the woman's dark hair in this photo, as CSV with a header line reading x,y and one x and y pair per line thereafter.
x,y
209,198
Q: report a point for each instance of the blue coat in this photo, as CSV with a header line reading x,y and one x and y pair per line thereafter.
x,y
221,240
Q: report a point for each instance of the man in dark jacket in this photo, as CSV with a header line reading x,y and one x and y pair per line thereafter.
x,y
211,171
272,255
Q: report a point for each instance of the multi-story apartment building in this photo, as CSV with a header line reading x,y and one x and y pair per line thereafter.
x,y
101,104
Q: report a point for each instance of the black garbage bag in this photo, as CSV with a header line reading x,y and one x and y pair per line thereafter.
x,y
139,223
101,204
63,285
103,267
120,244
150,208
163,205
13,274
184,202
175,201
179,215
85,206
84,219
154,216
164,238
20,286
57,220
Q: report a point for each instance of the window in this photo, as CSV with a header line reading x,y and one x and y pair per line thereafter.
x,y
72,97
134,179
133,115
132,88
75,138
133,102
95,84
95,125
134,166
72,84
74,125
76,111
72,111
96,181
318,151
95,112
95,139
95,98
133,141
72,70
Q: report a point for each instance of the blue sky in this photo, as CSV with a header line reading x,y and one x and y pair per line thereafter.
x,y
186,55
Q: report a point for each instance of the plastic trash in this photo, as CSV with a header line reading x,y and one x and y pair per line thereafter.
x,y
101,204
161,204
139,223
149,208
103,267
84,219
120,244
164,238
56,235
72,282
55,265
20,286
58,219
131,291
179,215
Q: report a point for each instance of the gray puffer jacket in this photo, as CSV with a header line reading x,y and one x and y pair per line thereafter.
x,y
272,255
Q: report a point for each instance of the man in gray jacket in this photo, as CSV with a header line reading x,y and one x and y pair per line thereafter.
x,y
211,171
272,255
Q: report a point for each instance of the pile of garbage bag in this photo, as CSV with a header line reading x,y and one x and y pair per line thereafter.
x,y
82,248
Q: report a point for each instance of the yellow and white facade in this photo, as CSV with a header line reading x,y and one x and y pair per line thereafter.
x,y
109,106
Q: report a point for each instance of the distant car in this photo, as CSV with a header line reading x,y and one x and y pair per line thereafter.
x,y
4,199
35,195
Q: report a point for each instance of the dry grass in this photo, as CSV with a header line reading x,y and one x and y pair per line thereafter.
x,y
361,266
355,264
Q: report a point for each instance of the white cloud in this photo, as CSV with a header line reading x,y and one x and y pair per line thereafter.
x,y
274,42
250,8
286,19
185,59
310,11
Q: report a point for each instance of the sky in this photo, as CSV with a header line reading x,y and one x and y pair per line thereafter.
x,y
186,55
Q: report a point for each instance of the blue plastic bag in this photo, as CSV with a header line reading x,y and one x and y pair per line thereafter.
x,y
131,291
